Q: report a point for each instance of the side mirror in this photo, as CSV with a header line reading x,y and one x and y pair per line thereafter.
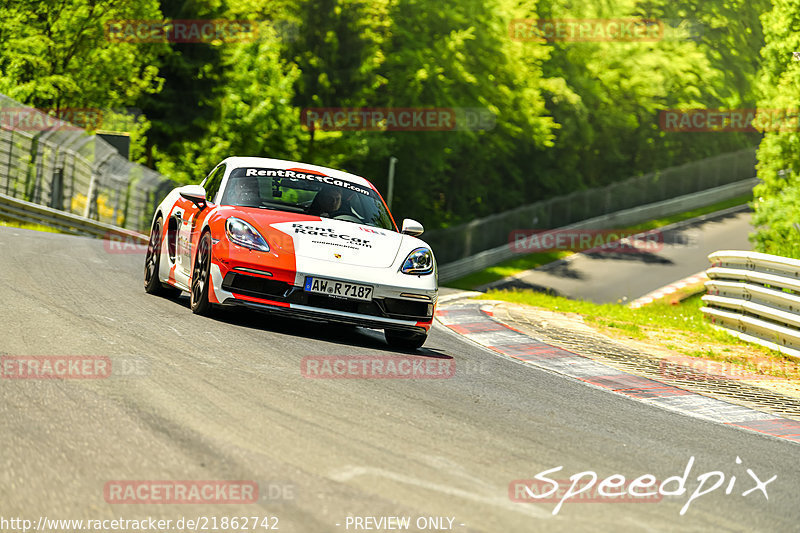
x,y
195,194
412,227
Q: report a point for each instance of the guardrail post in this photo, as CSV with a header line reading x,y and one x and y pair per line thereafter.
x,y
57,189
34,152
87,209
10,156
37,184
127,203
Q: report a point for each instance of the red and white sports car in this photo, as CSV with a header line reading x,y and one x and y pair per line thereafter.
x,y
298,239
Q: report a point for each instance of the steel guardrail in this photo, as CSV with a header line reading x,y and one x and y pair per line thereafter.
x,y
691,182
59,165
25,211
628,217
756,297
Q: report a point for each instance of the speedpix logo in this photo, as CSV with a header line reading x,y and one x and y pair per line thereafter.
x,y
644,488
329,233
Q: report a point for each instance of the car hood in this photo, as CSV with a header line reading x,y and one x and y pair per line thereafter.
x,y
342,242
325,239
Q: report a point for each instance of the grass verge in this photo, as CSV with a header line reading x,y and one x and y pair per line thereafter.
x,y
6,222
505,269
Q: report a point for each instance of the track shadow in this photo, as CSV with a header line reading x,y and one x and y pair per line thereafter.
x,y
647,257
343,334
523,285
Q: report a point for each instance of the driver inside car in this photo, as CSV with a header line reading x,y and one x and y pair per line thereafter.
x,y
327,202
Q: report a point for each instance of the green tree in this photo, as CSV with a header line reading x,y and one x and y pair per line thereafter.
x,y
182,111
777,205
253,115
55,53
456,56
337,52
609,118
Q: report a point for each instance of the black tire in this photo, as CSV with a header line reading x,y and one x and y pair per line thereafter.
x,y
152,261
201,277
406,340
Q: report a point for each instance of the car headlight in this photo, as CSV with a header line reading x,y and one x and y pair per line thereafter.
x,y
419,261
241,233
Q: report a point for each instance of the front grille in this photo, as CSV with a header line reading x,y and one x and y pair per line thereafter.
x,y
338,304
278,290
254,286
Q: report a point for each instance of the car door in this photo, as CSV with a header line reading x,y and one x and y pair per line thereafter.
x,y
191,219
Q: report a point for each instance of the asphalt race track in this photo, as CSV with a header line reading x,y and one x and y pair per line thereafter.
x,y
223,398
609,276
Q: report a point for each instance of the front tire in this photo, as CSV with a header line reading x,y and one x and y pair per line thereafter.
x,y
201,277
152,263
406,340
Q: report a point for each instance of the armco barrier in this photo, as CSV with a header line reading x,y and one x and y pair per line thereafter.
x,y
756,297
620,219
52,163
696,178
67,222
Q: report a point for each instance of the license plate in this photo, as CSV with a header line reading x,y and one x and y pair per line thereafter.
x,y
342,289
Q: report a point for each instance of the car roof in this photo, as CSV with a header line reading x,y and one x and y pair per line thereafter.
x,y
266,162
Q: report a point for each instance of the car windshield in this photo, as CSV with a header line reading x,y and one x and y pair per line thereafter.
x,y
301,191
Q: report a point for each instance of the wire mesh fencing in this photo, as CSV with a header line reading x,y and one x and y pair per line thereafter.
x,y
53,162
56,163
465,240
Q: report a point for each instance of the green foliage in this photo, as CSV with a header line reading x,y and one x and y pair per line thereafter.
x,y
568,115
183,109
55,54
252,116
778,193
457,56
610,121
338,50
